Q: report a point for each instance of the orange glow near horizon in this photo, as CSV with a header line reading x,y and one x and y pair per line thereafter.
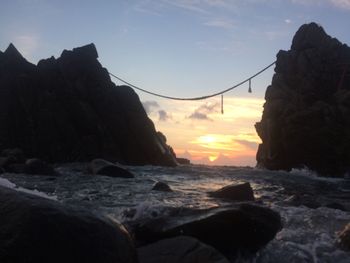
x,y
212,138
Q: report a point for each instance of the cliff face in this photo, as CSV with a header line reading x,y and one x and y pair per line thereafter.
x,y
306,117
67,109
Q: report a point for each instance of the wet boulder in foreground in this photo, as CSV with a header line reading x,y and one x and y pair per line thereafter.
x,y
181,249
68,109
235,192
33,230
103,167
242,230
161,186
305,121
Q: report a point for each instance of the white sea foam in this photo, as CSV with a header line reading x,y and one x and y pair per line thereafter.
x,y
308,235
6,183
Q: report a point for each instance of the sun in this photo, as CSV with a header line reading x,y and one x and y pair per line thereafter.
x,y
212,158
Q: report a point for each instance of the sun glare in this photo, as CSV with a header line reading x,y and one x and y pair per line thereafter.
x,y
207,139
212,158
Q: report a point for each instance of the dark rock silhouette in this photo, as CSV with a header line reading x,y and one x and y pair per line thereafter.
x,y
344,238
103,167
161,186
180,249
306,121
235,192
34,229
183,161
243,229
67,109
37,166
14,161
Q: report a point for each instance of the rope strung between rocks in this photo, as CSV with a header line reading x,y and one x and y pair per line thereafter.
x,y
201,97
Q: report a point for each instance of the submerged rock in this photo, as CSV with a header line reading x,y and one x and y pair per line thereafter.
x,y
68,109
305,121
103,167
181,249
161,186
33,229
241,230
235,192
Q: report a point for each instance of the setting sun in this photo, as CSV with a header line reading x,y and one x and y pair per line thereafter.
x,y
212,158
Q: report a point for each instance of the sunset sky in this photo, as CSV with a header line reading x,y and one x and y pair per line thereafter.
x,y
180,48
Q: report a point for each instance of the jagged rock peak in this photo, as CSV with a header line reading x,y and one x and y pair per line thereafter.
x,y
88,51
311,35
12,51
68,109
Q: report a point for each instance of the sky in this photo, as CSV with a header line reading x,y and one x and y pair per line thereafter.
x,y
180,48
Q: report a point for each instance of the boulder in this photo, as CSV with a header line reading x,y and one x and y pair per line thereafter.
x,y
103,167
161,186
98,120
181,249
241,230
305,121
183,161
344,238
38,167
235,192
33,229
14,155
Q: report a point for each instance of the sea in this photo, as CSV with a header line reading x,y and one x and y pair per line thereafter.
x,y
314,209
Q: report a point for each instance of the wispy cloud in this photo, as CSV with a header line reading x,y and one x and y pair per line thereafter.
x,y
149,7
343,4
248,144
189,5
221,23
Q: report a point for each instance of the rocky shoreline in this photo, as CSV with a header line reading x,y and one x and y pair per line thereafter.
x,y
46,231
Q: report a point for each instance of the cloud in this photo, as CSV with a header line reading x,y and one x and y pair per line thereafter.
x,y
199,116
149,105
163,115
221,23
202,112
288,21
189,5
248,144
343,4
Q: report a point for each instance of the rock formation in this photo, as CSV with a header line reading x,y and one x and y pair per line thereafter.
x,y
68,109
237,230
306,118
34,229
